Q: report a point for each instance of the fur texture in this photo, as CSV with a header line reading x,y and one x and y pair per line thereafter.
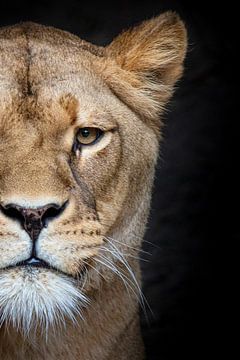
x,y
51,85
35,300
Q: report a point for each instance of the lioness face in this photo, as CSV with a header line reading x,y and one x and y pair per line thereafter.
x,y
77,154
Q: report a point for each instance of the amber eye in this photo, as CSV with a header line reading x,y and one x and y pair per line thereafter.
x,y
88,135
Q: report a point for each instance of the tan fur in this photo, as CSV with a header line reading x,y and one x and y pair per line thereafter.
x,y
51,83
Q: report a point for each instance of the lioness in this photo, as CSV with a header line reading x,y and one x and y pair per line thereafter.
x,y
79,134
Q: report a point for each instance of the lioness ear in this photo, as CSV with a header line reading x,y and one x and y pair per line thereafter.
x,y
151,59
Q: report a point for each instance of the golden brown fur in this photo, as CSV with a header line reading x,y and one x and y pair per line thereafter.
x,y
52,83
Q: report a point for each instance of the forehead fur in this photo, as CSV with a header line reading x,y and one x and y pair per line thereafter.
x,y
44,73
140,66
32,53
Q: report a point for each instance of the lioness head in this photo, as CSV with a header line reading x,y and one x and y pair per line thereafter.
x,y
79,133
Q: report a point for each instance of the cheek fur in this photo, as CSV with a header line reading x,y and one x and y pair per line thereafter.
x,y
102,167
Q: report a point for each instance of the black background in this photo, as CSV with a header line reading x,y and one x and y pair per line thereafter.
x,y
194,217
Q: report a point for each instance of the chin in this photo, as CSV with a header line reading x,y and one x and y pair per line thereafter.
x,y
35,298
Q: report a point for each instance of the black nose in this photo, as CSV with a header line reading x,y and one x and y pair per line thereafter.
x,y
33,220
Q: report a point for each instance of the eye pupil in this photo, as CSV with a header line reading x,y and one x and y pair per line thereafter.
x,y
85,132
87,136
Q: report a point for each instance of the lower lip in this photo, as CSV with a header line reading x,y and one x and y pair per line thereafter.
x,y
45,266
37,265
34,268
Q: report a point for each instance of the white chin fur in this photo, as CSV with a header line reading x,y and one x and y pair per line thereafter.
x,y
32,298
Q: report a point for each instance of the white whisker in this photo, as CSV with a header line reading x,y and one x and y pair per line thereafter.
x,y
124,261
129,246
119,256
127,255
94,268
117,272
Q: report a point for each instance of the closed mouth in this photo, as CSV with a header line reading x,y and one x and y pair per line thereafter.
x,y
37,263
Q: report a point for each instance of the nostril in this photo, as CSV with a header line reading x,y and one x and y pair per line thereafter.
x,y
13,212
52,212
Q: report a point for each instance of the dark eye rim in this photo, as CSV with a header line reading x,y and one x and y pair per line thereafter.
x,y
77,145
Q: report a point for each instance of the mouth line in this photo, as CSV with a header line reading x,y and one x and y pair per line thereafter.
x,y
34,262
41,264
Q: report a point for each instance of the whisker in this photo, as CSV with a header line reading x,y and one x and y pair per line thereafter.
x,y
125,278
152,244
128,255
95,269
117,272
141,238
124,261
135,284
129,246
